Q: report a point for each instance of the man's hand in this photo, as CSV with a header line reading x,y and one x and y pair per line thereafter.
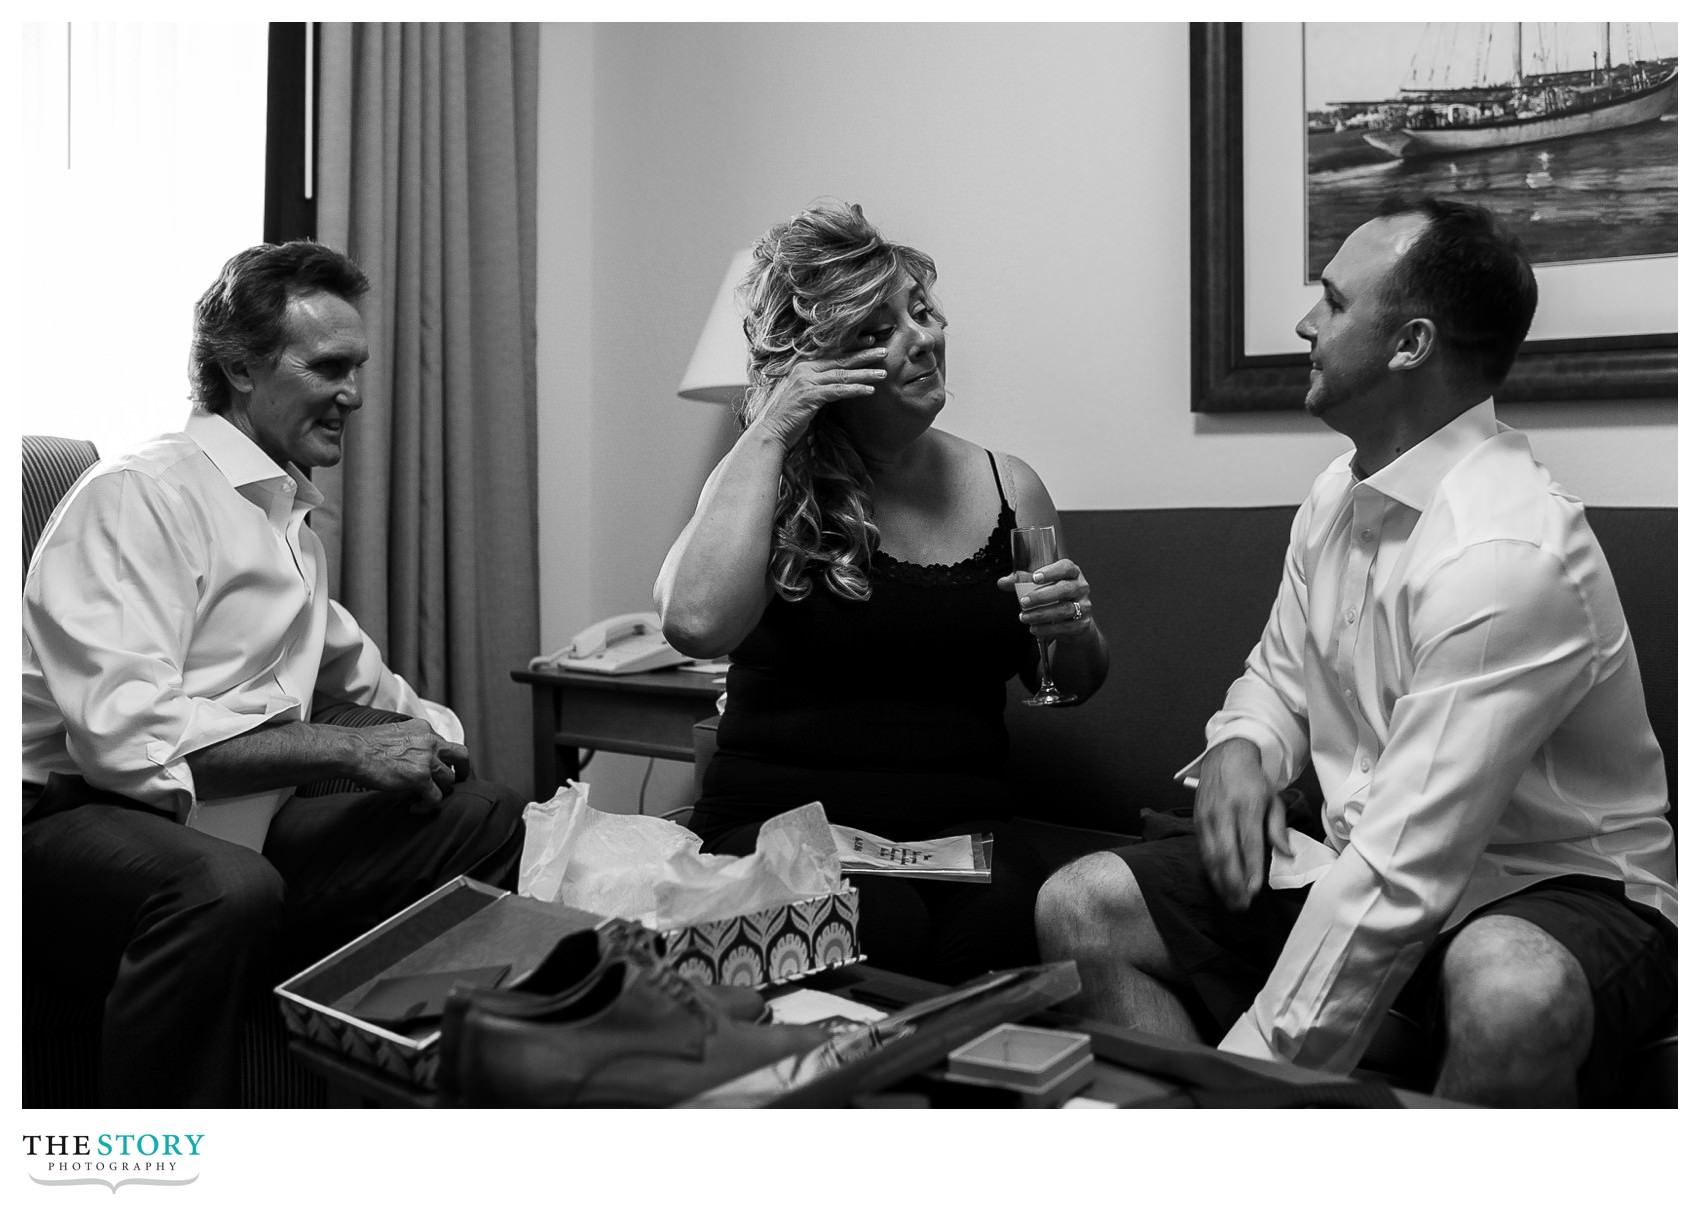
x,y
1237,810
408,756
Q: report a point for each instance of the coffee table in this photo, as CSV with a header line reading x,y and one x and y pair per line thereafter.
x,y
1121,1069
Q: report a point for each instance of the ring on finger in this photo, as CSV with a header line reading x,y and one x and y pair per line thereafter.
x,y
1078,613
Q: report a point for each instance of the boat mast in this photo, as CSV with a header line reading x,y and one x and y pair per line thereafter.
x,y
1517,55
1608,49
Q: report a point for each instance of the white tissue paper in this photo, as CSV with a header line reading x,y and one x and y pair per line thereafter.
x,y
649,869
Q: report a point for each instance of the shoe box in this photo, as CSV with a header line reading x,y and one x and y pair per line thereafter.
x,y
467,925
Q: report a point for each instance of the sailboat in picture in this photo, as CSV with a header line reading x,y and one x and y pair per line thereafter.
x,y
1528,107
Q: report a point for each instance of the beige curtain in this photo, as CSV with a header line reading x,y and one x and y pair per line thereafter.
x,y
428,178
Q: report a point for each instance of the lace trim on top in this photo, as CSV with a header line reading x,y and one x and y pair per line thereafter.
x,y
989,562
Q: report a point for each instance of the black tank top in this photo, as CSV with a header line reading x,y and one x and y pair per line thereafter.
x,y
911,679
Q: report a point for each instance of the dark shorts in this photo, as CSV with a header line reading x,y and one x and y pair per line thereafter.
x,y
1626,950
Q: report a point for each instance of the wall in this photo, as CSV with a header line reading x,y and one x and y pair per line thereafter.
x,y
1043,166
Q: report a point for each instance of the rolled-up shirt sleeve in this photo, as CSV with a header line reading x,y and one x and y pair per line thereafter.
x,y
109,613
1502,651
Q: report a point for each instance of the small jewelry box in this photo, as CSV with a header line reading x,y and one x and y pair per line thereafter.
x,y
1045,1065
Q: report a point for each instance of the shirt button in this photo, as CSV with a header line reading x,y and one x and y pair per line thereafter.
x,y
1363,765
1365,535
1351,615
290,486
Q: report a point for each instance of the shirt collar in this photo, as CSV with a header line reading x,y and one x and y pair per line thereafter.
x,y
1413,477
240,460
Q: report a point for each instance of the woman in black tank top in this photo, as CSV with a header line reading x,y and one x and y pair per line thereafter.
x,y
855,562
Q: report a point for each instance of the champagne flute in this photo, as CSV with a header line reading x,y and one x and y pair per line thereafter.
x,y
1032,547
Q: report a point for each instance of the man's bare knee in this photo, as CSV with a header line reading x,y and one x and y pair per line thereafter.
x,y
1513,991
1092,910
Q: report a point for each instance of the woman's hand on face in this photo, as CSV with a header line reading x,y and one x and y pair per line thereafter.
x,y
1057,604
811,385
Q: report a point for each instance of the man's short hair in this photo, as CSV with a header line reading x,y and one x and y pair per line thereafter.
x,y
1469,274
241,316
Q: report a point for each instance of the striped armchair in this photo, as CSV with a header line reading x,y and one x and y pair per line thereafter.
x,y
51,466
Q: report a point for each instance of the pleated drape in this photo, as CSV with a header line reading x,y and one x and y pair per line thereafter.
x,y
428,178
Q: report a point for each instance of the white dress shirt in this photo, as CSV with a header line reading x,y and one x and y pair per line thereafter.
x,y
1448,647
176,600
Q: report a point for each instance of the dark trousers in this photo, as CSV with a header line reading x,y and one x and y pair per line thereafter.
x,y
178,929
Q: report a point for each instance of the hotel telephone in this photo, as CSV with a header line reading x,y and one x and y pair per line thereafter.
x,y
623,644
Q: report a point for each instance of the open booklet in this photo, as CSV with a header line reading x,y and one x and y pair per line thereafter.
x,y
949,858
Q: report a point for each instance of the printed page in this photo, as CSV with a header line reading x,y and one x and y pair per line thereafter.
x,y
959,858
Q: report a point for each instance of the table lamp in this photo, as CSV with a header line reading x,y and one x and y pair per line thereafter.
x,y
719,369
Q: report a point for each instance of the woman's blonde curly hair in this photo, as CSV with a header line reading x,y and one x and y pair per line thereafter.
x,y
816,279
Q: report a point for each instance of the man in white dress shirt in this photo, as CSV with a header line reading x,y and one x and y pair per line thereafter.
x,y
1447,647
179,641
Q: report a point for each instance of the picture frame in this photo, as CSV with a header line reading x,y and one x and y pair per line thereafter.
x,y
1228,378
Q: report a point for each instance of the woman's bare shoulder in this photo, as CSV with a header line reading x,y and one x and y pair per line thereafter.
x,y
1031,497
1021,483
961,451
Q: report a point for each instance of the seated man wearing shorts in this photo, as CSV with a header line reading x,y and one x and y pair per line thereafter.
x,y
1448,649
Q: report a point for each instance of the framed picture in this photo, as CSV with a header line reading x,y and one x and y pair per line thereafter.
x,y
1605,332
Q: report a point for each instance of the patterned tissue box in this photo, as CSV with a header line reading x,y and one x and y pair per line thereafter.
x,y
775,945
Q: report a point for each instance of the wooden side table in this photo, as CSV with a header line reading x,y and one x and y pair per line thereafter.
x,y
644,714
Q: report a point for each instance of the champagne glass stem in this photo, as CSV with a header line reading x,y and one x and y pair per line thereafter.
x,y
1045,686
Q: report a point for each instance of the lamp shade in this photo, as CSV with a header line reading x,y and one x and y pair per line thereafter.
x,y
719,369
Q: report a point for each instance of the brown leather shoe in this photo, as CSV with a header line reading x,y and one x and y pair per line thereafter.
x,y
578,958
739,1003
635,1034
